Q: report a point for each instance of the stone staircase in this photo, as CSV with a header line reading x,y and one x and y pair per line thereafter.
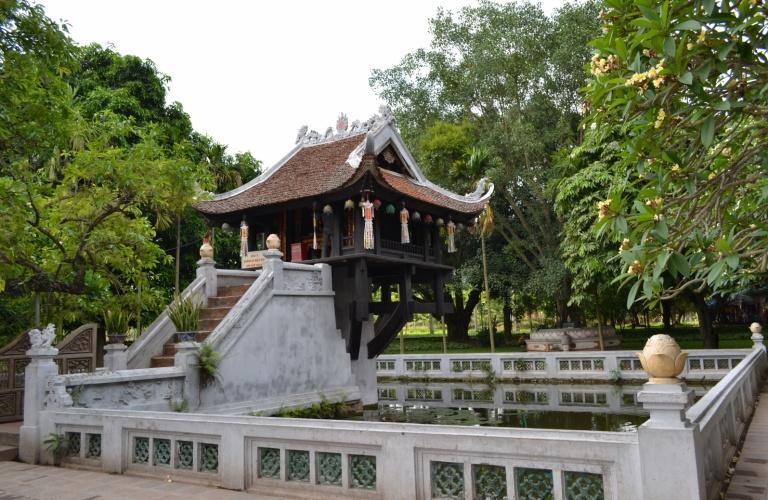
x,y
9,441
210,317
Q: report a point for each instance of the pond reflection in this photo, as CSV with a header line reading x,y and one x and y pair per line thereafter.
x,y
598,407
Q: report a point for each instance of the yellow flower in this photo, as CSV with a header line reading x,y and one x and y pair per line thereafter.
x,y
660,119
675,168
635,268
711,176
603,209
690,46
658,82
702,36
652,73
625,244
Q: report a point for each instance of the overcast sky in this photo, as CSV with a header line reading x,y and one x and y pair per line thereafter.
x,y
251,73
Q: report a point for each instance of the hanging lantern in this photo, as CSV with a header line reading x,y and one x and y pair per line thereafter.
x,y
451,230
243,238
377,203
428,219
314,230
405,237
390,210
416,217
349,204
440,222
327,209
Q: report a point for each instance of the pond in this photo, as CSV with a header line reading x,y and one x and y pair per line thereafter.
x,y
598,407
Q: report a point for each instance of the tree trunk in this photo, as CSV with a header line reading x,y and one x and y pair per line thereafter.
x,y
177,270
458,321
708,335
507,313
666,315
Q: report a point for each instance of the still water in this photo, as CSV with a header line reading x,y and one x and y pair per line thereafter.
x,y
598,407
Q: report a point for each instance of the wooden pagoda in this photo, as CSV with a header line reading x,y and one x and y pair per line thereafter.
x,y
356,200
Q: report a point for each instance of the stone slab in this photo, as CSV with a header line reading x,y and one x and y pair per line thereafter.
x,y
750,479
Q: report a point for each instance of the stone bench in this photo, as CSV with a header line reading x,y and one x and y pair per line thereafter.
x,y
571,339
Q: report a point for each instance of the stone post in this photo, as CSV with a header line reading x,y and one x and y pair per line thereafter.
x,y
670,459
206,267
273,261
186,358
115,357
38,372
757,336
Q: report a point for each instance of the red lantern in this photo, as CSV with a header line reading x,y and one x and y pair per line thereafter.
x,y
376,203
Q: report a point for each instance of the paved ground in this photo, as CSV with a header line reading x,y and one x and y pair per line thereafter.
x,y
750,480
19,481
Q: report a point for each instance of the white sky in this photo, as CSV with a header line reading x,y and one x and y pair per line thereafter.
x,y
251,73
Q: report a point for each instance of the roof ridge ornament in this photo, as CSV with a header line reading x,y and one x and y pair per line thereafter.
x,y
344,130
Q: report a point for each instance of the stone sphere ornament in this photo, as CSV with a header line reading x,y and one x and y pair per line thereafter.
x,y
662,359
273,242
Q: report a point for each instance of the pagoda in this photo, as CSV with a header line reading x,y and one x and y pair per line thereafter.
x,y
354,198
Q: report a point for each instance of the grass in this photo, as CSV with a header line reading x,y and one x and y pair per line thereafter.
x,y
688,336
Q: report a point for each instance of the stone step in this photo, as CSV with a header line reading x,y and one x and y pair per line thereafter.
x,y
208,325
8,453
161,361
9,439
226,291
169,349
214,312
202,335
226,301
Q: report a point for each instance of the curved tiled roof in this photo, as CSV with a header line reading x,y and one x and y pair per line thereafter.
x,y
313,169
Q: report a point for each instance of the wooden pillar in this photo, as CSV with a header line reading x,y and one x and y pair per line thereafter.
x,y
338,213
437,244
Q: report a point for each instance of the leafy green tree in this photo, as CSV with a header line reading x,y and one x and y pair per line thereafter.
x,y
512,74
686,82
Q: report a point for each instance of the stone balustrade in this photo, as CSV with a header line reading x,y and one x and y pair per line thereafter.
x,y
702,364
349,459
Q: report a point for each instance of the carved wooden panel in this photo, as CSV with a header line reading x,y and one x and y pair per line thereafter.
x,y
77,354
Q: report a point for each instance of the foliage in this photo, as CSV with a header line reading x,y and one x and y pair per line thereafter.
x,y
208,363
505,75
586,174
83,130
116,321
180,406
184,313
57,444
322,410
685,84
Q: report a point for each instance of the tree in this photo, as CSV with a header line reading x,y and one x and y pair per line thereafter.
x,y
685,83
512,74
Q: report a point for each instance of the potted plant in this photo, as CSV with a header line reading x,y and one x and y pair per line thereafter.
x,y
116,323
185,316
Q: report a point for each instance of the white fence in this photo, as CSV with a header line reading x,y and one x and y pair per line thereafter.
x,y
702,364
331,459
721,416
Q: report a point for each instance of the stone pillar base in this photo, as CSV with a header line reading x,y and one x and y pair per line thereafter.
x,y
364,369
115,357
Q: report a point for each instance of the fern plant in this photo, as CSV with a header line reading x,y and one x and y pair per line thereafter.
x,y
57,444
208,364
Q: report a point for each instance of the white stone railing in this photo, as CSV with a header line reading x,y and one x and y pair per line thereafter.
x,y
721,416
143,389
702,364
332,459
